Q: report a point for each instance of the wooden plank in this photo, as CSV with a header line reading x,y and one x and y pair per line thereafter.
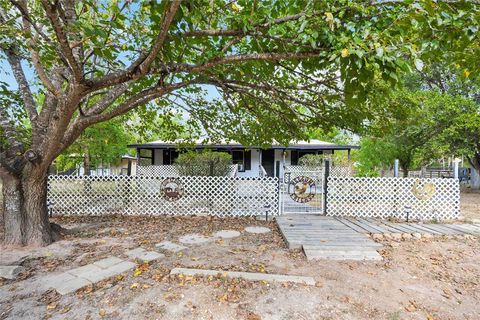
x,y
438,228
423,230
400,227
458,229
374,225
364,225
469,228
352,225
387,227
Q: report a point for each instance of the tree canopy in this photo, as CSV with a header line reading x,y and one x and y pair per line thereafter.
x,y
254,71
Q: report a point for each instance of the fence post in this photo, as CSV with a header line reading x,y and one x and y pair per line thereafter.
x,y
455,168
395,168
325,185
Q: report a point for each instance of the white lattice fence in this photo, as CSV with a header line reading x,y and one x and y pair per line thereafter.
x,y
342,171
314,172
147,195
420,199
158,171
172,171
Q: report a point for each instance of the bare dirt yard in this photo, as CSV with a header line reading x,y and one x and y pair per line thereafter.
x,y
418,279
470,204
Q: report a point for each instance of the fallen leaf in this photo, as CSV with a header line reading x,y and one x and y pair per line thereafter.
x,y
51,306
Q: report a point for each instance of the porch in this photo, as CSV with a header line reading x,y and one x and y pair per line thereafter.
x,y
252,161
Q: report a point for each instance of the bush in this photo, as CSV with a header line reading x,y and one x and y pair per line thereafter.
x,y
311,160
206,163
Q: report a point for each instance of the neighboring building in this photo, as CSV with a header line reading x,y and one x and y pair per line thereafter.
x,y
126,166
250,160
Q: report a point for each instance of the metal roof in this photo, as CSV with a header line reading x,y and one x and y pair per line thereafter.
x,y
199,144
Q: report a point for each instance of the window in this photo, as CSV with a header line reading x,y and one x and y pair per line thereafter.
x,y
238,157
145,157
243,159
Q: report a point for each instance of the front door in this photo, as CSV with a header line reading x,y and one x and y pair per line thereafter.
x,y
268,159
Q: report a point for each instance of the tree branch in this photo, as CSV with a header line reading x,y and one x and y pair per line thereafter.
x,y
22,6
52,14
265,56
30,104
237,32
142,65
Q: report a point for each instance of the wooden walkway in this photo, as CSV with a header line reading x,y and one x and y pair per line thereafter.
x,y
326,238
347,238
376,226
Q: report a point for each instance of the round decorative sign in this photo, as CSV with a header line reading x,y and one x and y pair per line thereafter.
x,y
423,191
302,189
171,189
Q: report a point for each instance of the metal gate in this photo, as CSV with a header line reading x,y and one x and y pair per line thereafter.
x,y
302,191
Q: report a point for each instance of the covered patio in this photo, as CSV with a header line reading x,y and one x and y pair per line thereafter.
x,y
252,161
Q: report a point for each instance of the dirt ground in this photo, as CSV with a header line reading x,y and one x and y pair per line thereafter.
x,y
418,279
470,204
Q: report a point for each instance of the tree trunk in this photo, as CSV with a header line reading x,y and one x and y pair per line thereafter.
x,y
86,162
13,213
25,208
475,173
37,226
404,170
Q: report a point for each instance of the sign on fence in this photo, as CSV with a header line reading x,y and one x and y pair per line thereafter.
x,y
403,198
153,195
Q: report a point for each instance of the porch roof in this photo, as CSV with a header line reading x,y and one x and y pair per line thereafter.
x,y
295,145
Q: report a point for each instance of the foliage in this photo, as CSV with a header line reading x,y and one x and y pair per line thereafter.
x,y
375,155
206,163
312,160
253,71
102,143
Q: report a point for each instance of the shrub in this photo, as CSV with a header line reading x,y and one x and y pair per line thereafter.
x,y
206,163
311,160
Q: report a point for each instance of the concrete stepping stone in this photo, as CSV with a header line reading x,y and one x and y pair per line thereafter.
x,y
72,280
257,229
142,254
10,272
170,246
194,238
227,234
246,275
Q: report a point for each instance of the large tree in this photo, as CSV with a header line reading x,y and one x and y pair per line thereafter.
x,y
277,66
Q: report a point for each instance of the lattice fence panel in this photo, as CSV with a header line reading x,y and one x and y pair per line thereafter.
x,y
146,195
314,172
172,171
420,199
342,171
158,171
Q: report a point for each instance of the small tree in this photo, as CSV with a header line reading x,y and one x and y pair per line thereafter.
x,y
206,163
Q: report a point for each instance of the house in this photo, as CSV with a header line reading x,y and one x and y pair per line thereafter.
x,y
252,161
126,166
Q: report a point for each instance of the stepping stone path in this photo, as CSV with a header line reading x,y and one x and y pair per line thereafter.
x,y
142,254
227,234
253,276
257,229
194,238
72,280
170,246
